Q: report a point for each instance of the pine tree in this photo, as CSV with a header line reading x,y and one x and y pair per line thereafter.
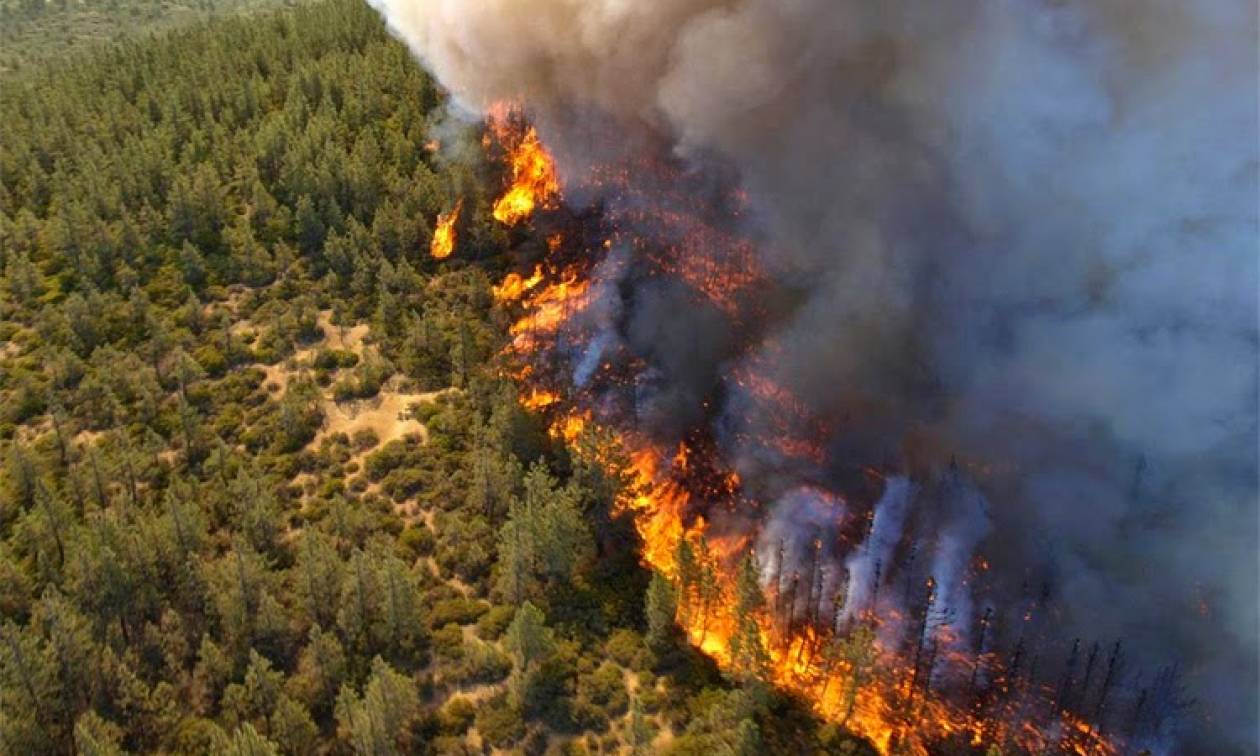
x,y
708,585
858,652
749,659
248,742
317,578
544,541
529,641
688,570
661,610
320,671
379,722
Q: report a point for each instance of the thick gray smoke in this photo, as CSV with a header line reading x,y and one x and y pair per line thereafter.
x,y
1022,233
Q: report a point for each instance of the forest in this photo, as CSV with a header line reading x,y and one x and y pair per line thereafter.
x,y
265,488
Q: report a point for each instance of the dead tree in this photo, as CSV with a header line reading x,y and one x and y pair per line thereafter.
x,y
789,619
874,603
1065,684
777,580
981,637
907,568
929,600
1115,666
1078,702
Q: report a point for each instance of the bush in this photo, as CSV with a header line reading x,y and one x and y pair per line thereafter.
x,y
624,646
494,622
449,641
211,360
456,716
332,359
364,439
416,541
385,459
403,483
460,611
482,663
499,723
604,690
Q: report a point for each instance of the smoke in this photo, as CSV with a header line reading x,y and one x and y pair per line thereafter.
x,y
1018,233
965,524
875,554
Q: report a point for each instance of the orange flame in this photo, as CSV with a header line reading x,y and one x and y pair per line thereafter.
x,y
515,286
443,243
534,181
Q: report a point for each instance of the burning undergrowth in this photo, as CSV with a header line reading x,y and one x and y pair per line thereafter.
x,y
880,304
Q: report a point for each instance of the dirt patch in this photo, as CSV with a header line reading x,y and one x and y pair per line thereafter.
x,y
349,338
388,415
278,376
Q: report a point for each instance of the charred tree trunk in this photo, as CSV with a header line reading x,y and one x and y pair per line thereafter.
x,y
789,619
1114,665
874,603
982,636
1078,703
1065,685
1139,711
928,600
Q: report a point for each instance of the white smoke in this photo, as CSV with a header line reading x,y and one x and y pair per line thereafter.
x,y
801,522
966,522
875,553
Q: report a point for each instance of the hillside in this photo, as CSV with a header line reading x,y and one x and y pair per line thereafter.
x,y
265,489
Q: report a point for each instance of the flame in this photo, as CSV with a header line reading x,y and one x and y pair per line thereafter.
x,y
859,676
443,243
538,398
515,286
552,305
534,182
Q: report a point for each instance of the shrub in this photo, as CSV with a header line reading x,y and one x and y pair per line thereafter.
x,y
456,716
364,439
403,483
332,359
449,641
416,541
494,622
482,663
499,722
624,647
211,360
380,462
460,611
605,690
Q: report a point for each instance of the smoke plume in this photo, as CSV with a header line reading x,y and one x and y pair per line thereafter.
x,y
1016,234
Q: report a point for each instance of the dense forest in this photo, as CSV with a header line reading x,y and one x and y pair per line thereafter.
x,y
35,33
264,488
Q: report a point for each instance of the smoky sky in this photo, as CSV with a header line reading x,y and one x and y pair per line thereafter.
x,y
1021,233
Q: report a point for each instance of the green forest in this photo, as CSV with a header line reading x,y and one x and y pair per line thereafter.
x,y
264,489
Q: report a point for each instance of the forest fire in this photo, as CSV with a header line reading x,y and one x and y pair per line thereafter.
x,y
872,644
443,243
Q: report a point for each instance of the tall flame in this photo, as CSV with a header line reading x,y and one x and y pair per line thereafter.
x,y
443,243
534,183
